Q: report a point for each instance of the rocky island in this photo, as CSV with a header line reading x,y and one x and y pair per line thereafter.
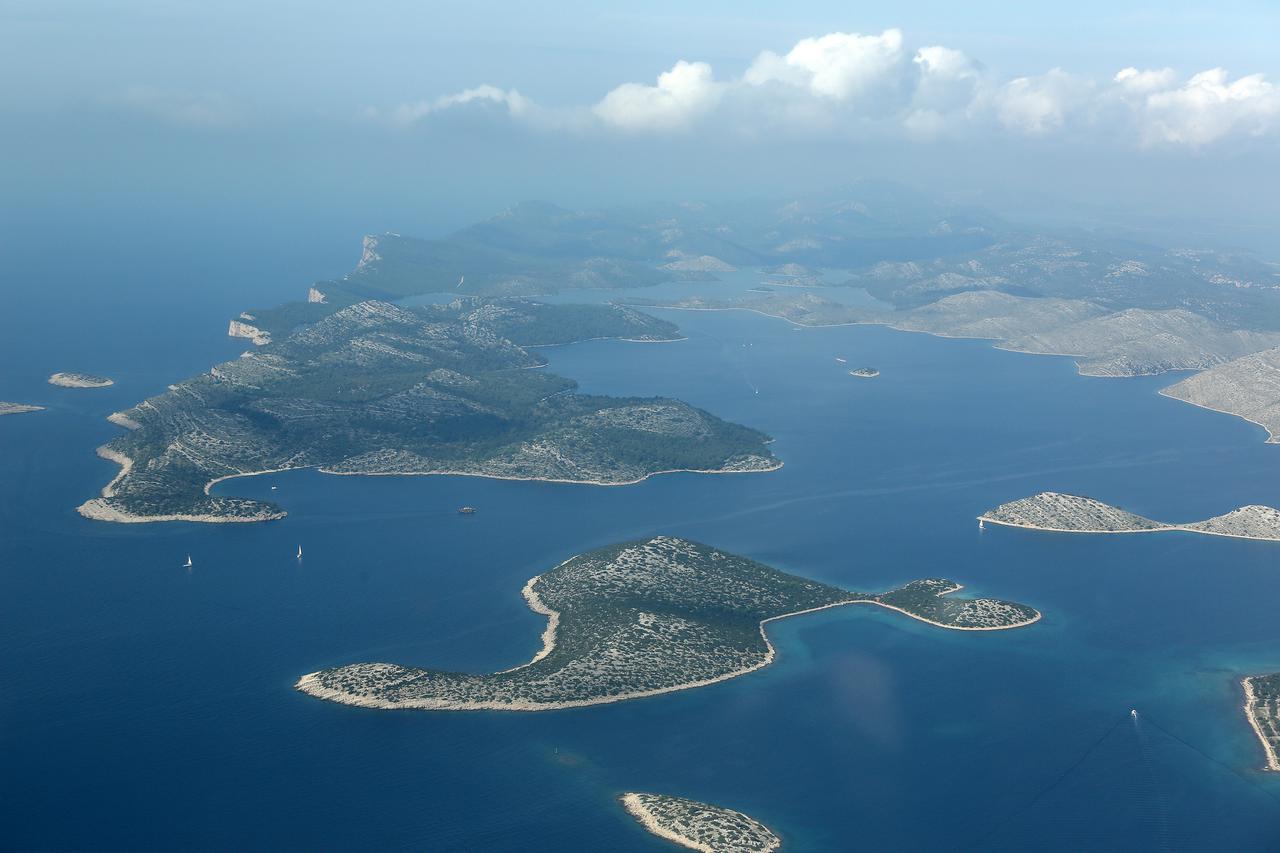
x,y
18,408
644,618
699,826
1262,709
1061,513
80,380
865,373
374,388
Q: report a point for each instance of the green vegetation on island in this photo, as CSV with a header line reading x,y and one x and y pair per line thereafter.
x,y
643,618
379,389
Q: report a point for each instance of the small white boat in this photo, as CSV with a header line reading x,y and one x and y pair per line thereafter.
x,y
299,552
273,488
187,564
982,525
842,360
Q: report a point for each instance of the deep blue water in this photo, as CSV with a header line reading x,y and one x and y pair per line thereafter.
x,y
144,706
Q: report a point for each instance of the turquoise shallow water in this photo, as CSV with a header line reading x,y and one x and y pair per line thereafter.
x,y
148,706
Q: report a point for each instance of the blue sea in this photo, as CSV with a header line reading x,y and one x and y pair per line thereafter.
x,y
147,706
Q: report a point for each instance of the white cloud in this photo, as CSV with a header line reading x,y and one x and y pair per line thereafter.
x,y
1038,105
680,95
1133,81
840,66
1206,108
850,84
509,99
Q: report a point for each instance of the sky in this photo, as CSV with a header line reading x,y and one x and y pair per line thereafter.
x,y
423,116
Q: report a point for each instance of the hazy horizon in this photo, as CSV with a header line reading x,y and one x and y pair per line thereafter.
x,y
425,120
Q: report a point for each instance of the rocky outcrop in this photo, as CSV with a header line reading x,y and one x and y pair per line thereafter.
x,y
241,329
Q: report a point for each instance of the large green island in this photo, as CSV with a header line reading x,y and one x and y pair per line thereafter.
x,y
643,618
375,388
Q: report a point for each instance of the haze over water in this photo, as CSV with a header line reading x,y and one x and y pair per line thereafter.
x,y
145,705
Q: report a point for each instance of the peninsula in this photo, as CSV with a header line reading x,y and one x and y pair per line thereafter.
x,y
1247,387
80,380
1061,513
1262,708
375,388
644,618
699,826
18,408
1132,342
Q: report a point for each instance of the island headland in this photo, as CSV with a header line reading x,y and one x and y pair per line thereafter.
x,y
1062,513
376,388
80,380
1262,709
644,618
699,826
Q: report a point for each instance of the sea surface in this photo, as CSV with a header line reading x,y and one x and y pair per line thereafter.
x,y
147,706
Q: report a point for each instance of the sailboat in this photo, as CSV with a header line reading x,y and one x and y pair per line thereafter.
x,y
982,525
299,552
187,564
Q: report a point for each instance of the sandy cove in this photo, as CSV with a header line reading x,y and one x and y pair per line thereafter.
x,y
309,683
1273,762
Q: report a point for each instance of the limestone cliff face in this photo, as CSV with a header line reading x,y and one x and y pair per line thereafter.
x,y
240,329
369,255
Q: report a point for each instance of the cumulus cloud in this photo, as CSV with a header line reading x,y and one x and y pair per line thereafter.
x,y
1206,108
681,94
842,67
1038,105
856,84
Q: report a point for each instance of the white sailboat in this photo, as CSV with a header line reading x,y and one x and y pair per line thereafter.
x,y
982,525
187,564
299,552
